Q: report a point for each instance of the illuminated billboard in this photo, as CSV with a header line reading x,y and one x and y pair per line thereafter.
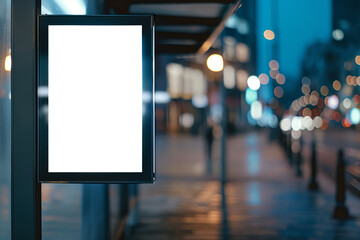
x,y
95,99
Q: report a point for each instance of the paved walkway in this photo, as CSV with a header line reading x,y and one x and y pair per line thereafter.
x,y
262,199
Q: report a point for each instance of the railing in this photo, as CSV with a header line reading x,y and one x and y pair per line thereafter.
x,y
341,164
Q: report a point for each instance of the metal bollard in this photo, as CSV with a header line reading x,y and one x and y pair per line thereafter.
x,y
123,200
283,140
289,151
313,185
340,210
298,160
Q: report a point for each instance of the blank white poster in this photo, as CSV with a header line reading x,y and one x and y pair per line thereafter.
x,y
95,98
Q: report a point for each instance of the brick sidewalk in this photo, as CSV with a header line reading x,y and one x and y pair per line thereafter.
x,y
263,198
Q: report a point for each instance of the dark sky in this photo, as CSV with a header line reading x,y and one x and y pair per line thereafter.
x,y
301,23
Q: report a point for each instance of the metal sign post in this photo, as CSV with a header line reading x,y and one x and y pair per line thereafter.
x,y
25,189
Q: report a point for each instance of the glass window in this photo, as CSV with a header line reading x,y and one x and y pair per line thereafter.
x,y
5,96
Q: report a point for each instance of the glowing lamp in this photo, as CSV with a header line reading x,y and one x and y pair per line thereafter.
x,y
215,63
8,63
253,83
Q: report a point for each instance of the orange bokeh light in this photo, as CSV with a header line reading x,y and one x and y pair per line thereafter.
x,y
269,35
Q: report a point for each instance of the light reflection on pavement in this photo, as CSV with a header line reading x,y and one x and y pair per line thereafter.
x,y
262,199
4,212
61,211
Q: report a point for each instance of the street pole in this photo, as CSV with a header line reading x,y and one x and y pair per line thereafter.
x,y
223,128
223,122
25,189
215,63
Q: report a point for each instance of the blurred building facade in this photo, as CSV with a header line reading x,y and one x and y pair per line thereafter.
x,y
331,68
189,93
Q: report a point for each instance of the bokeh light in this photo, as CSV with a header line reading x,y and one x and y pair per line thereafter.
x,y
273,73
199,101
318,122
338,34
306,80
278,92
314,97
229,77
348,79
308,123
296,123
241,79
336,85
175,73
355,116
302,101
242,52
346,122
250,96
305,89
296,105
333,102
306,112
353,81
215,63
264,79
356,99
253,82
186,120
307,99
256,110
280,78
8,63
285,124
274,65
269,35
357,59
161,97
324,90
346,103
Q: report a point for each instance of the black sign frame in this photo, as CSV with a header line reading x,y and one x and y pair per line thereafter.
x,y
148,129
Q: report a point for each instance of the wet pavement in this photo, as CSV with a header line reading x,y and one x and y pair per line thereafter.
x,y
61,211
4,212
261,200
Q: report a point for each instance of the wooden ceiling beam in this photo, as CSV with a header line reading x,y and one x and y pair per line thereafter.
x,y
179,1
206,38
200,37
220,27
176,49
180,20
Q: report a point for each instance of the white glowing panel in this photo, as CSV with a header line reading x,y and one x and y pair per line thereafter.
x,y
95,98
